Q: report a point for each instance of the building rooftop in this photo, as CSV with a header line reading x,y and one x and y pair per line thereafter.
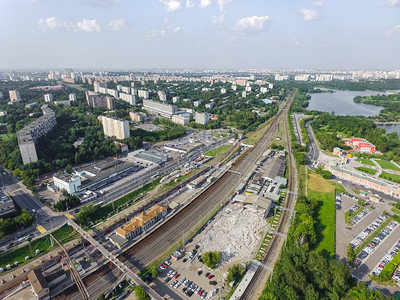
x,y
148,156
274,166
37,280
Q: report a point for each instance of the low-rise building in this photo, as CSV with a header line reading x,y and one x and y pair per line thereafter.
x,y
181,119
138,225
72,97
361,145
48,97
6,204
67,182
202,118
40,287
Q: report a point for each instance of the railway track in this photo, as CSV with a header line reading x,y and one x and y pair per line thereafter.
x,y
168,235
261,273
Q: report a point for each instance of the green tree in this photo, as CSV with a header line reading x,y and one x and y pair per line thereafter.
x,y
326,174
140,293
211,258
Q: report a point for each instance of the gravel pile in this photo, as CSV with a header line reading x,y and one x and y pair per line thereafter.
x,y
236,234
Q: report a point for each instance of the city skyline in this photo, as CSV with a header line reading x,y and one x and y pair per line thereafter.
x,y
216,34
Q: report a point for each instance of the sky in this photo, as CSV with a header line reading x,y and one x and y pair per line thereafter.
x,y
215,34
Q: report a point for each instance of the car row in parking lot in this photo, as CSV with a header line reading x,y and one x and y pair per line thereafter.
x,y
338,201
360,216
374,243
353,209
367,232
378,269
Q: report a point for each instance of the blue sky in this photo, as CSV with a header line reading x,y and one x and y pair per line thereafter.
x,y
277,34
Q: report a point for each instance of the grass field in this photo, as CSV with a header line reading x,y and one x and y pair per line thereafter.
x,y
391,177
387,165
255,136
323,192
366,170
218,151
395,210
365,161
63,235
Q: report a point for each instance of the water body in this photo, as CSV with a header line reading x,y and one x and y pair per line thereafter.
x,y
341,102
391,128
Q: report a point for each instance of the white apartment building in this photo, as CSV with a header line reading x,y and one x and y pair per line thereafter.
x,y
128,98
196,103
248,88
165,110
302,77
162,95
181,119
234,87
28,136
263,89
72,97
209,105
144,94
324,77
279,77
137,116
202,118
115,127
14,96
244,94
270,86
68,182
3,113
175,99
223,91
48,97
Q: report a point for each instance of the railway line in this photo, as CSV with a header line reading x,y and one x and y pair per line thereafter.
x,y
157,242
261,273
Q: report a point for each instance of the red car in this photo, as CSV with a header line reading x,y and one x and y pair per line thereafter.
x,y
176,275
211,276
200,292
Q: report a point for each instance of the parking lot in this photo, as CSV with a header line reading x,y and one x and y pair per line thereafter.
x,y
380,250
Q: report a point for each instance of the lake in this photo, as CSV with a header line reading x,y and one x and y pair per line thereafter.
x,y
391,128
341,102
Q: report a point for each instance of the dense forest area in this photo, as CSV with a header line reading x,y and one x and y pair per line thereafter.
x,y
390,104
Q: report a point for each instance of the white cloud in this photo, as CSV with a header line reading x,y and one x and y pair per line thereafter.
x,y
391,3
166,31
319,3
251,23
218,19
172,5
223,4
205,3
54,24
117,24
189,4
89,26
394,30
295,42
309,14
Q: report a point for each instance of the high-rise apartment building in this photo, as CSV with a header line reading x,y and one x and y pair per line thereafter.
x,y
72,97
115,127
165,110
128,98
162,95
181,119
48,97
29,135
14,96
202,118
144,94
95,100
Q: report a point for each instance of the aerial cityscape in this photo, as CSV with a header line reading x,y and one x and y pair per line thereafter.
x,y
199,149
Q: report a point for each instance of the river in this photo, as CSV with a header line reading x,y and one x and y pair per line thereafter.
x,y
341,102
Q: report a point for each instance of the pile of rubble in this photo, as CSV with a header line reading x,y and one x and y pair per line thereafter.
x,y
236,234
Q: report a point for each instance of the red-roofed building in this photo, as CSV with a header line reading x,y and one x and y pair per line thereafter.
x,y
361,145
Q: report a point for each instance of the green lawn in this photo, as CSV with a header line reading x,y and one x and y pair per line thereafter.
x,y
387,165
391,177
218,151
366,170
365,161
323,192
395,210
63,235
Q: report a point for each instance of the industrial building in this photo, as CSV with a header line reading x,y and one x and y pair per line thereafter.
x,y
148,156
29,135
165,110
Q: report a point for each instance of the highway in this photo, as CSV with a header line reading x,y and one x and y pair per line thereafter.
x,y
156,243
272,253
